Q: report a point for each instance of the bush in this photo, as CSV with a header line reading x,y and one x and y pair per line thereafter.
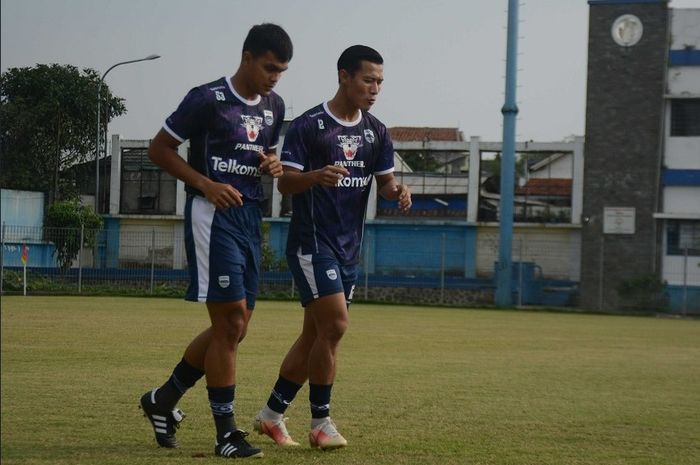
x,y
64,221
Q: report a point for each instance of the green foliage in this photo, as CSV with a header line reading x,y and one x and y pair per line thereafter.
x,y
270,261
643,292
64,221
48,120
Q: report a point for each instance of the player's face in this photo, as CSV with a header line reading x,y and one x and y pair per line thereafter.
x,y
265,71
362,88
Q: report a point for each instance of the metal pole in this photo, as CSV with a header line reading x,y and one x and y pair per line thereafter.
x,y
601,271
366,271
685,281
153,256
510,111
520,272
80,259
442,271
2,257
98,145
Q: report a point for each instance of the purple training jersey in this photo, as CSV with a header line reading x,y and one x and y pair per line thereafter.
x,y
330,220
226,133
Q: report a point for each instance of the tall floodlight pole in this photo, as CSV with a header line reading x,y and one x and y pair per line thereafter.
x,y
510,111
97,138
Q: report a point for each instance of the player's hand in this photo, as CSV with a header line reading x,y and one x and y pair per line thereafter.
x,y
329,175
403,195
270,164
223,195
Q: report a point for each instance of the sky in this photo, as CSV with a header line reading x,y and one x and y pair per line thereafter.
x,y
444,60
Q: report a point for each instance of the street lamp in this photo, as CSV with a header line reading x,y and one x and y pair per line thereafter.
x,y
97,139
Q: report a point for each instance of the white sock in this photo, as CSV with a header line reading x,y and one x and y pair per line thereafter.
x,y
268,414
317,421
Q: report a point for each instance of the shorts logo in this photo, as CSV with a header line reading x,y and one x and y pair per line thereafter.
x,y
269,119
369,136
224,281
252,125
332,274
349,144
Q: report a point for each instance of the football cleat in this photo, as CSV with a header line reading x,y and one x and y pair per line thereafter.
x,y
164,423
275,429
326,436
234,445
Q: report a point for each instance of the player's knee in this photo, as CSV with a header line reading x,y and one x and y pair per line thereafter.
x,y
231,331
334,331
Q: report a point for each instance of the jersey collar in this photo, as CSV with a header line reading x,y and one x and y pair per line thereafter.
x,y
251,103
348,124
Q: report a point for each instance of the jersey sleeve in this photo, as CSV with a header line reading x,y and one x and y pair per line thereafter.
x,y
294,151
190,116
279,121
385,161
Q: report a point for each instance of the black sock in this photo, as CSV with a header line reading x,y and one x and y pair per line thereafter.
x,y
320,400
221,401
282,395
184,377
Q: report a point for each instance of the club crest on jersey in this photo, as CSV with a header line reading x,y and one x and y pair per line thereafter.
x,y
224,281
369,136
268,117
349,145
252,125
332,274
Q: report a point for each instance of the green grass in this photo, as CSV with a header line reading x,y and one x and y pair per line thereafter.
x,y
415,385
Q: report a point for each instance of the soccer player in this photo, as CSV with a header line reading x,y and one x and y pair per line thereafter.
x,y
331,154
233,125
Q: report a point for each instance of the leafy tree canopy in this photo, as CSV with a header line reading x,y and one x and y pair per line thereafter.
x,y
48,123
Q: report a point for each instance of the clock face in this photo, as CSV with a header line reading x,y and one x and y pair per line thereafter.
x,y
627,30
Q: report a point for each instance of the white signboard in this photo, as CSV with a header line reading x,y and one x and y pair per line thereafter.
x,y
618,220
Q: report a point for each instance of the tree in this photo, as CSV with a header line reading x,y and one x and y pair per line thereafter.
x,y
48,123
64,221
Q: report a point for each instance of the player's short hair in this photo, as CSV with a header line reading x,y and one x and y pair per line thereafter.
x,y
351,59
268,37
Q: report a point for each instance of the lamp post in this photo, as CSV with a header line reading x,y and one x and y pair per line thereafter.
x,y
97,138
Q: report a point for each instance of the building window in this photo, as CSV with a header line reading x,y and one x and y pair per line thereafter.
x,y
681,236
146,189
685,117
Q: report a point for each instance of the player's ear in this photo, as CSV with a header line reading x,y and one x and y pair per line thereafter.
x,y
247,58
343,76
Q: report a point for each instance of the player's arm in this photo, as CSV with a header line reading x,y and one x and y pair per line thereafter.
x,y
294,181
390,189
163,152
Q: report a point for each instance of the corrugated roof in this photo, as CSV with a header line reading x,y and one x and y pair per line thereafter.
x,y
407,133
547,186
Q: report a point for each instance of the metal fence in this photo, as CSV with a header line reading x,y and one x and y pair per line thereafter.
x,y
397,265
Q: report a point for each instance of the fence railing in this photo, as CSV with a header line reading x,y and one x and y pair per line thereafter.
x,y
396,266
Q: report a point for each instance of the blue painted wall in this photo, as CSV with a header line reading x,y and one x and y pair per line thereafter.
x,y
395,247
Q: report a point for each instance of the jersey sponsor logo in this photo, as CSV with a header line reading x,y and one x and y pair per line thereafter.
x,y
349,145
269,118
232,166
314,115
332,275
224,281
369,136
352,163
359,181
252,125
220,96
251,147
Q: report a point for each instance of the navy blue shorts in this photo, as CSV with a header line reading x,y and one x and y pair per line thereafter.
x,y
318,275
223,251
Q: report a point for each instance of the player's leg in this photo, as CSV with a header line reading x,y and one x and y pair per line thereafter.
x,y
292,375
330,316
159,405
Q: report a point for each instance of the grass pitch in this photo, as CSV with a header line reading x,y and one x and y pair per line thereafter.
x,y
415,385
